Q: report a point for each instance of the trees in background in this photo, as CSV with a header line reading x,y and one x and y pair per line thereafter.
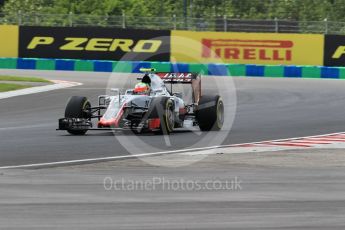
x,y
302,10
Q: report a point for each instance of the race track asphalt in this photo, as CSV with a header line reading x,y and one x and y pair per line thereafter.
x,y
263,109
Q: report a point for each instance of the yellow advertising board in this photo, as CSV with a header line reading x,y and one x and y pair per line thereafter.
x,y
247,48
9,36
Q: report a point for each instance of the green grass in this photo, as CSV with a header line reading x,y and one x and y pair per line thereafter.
x,y
4,87
27,79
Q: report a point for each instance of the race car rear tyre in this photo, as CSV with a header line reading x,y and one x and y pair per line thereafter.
x,y
76,109
163,108
210,113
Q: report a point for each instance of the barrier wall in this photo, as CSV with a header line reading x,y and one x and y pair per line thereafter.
x,y
334,50
234,70
9,40
96,43
247,48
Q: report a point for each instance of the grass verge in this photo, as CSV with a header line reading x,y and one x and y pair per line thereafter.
x,y
4,87
27,79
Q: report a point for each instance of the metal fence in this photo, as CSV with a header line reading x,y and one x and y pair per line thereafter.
x,y
178,23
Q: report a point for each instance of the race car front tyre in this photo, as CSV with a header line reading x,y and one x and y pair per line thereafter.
x,y
163,108
75,108
210,113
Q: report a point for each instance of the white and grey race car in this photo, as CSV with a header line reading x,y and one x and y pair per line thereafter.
x,y
160,110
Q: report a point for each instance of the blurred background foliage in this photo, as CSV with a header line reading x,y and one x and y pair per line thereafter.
x,y
310,16
299,10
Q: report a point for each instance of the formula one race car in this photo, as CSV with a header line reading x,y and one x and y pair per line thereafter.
x,y
150,106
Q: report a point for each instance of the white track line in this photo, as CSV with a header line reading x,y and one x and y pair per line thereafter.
x,y
39,89
103,159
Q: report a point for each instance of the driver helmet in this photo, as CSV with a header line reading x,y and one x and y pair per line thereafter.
x,y
141,88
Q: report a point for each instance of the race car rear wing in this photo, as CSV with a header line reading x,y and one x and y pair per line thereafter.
x,y
171,77
177,78
184,78
180,78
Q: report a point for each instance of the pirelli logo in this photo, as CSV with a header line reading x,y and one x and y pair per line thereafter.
x,y
240,49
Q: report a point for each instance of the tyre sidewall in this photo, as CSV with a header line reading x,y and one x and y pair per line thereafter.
x,y
207,113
